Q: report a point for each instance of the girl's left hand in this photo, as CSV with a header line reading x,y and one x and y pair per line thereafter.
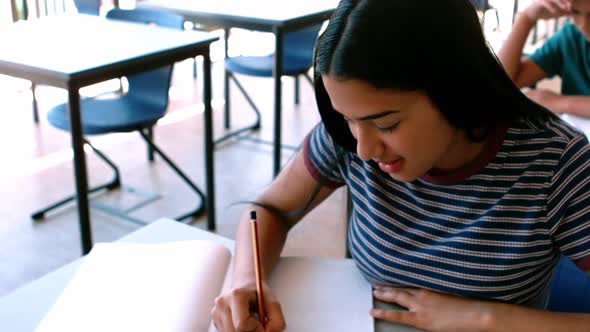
x,y
432,311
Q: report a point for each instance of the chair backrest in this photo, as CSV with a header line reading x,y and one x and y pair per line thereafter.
x,y
570,288
300,43
89,7
150,86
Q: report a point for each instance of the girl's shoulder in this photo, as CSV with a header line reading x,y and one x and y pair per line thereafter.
x,y
551,128
569,30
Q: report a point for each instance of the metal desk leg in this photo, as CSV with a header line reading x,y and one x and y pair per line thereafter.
x,y
209,166
277,73
79,168
226,80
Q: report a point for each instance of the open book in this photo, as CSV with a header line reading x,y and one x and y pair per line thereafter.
x,y
172,286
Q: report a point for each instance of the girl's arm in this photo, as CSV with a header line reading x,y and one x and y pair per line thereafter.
x,y
290,191
522,70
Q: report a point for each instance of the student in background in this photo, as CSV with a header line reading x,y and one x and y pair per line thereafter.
x,y
465,193
566,54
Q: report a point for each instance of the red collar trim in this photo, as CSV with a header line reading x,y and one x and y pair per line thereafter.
x,y
477,165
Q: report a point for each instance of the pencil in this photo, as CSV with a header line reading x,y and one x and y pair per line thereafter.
x,y
257,267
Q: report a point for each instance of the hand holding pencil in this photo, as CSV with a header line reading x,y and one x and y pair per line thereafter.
x,y
250,304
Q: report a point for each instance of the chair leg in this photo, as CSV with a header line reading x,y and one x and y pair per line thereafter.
x,y
308,78
254,126
201,207
297,85
296,89
35,104
249,100
150,151
113,184
194,68
497,20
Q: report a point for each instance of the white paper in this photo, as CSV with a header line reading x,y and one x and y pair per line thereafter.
x,y
322,294
171,287
142,287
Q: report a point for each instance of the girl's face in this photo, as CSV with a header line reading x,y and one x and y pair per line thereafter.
x,y
402,131
581,16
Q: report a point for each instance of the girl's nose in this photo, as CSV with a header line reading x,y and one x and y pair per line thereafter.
x,y
369,144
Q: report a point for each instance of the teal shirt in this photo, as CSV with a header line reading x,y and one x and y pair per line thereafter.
x,y
566,54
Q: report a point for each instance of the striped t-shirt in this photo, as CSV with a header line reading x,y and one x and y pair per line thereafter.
x,y
495,232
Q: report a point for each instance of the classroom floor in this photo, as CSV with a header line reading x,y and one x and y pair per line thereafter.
x,y
37,170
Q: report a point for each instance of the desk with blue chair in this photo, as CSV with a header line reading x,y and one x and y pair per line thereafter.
x,y
277,16
139,109
133,48
297,53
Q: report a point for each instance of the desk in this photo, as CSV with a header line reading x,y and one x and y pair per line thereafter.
x,y
71,52
276,16
23,309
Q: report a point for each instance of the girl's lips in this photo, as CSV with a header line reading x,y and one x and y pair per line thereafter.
x,y
391,167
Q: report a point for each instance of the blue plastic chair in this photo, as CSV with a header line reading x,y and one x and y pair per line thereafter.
x,y
89,7
570,288
297,60
138,110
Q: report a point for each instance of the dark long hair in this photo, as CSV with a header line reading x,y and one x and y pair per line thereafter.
x,y
436,46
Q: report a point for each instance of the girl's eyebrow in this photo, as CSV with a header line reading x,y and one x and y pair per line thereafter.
x,y
377,115
373,116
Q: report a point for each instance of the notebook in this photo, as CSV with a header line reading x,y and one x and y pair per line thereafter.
x,y
172,287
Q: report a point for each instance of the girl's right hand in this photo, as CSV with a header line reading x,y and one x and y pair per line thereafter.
x,y
234,311
546,9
